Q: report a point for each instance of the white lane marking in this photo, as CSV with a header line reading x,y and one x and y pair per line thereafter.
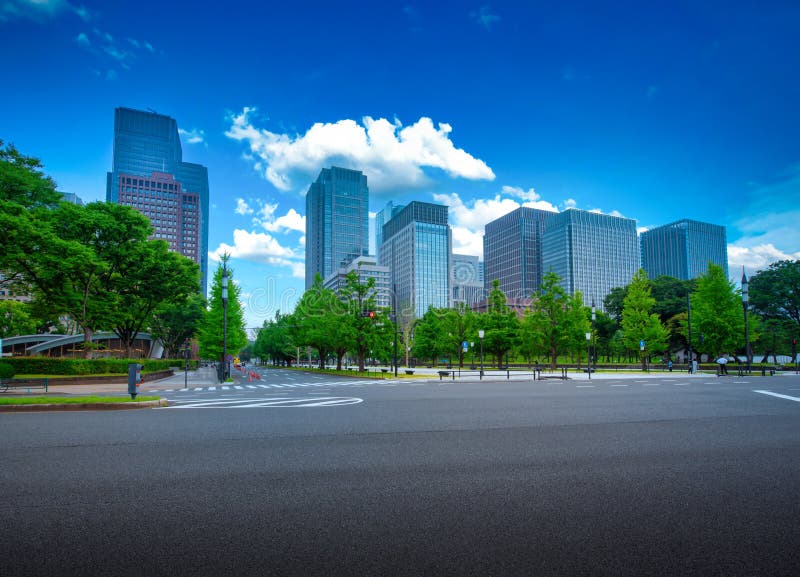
x,y
652,385
584,386
640,381
251,386
388,385
796,399
744,383
263,386
225,388
198,388
681,384
619,385
217,402
237,387
212,388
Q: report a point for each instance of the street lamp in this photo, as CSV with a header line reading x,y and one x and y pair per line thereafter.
x,y
396,336
689,326
745,298
224,320
480,336
186,364
592,359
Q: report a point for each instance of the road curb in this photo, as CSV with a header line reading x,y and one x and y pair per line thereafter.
x,y
83,406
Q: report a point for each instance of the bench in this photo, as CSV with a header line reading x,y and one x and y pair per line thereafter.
x,y
444,374
384,370
6,384
409,372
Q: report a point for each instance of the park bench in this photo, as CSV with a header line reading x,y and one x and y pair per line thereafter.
x,y
443,374
409,372
6,384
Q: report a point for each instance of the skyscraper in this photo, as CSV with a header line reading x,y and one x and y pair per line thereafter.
x,y
512,251
592,253
416,248
148,173
466,279
385,215
337,221
683,249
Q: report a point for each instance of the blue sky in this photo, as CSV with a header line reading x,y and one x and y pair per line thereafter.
x,y
653,110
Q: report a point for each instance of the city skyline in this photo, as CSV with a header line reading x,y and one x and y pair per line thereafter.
x,y
487,108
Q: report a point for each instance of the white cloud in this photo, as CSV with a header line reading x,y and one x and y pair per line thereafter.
x,y
570,203
392,156
193,136
289,221
755,258
467,220
260,248
242,207
83,40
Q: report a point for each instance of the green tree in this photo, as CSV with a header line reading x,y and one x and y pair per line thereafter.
x,y
150,275
500,324
315,321
16,319
457,325
775,291
428,341
717,314
175,322
273,341
367,333
555,321
211,331
639,323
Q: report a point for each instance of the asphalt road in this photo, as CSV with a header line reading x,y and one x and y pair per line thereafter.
x,y
311,475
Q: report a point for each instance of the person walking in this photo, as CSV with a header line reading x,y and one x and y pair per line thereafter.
x,y
722,361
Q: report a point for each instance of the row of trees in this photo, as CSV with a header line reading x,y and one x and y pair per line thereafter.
x,y
554,325
95,267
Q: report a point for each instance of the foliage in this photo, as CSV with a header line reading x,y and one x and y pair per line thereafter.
x,y
670,296
428,343
175,322
212,331
717,314
638,322
775,291
364,333
273,340
314,322
555,324
500,325
6,370
87,400
16,319
66,366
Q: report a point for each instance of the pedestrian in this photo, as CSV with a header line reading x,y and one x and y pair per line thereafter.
x,y
669,365
723,365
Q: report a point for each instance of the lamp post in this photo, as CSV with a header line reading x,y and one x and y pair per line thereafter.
x,y
224,320
186,364
480,336
689,326
396,337
745,298
592,358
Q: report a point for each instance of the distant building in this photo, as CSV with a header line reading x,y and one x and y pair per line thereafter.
x,y
592,253
337,221
72,198
148,174
466,279
366,267
683,249
385,215
416,248
512,251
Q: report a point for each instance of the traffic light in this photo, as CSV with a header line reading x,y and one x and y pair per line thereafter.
x,y
368,314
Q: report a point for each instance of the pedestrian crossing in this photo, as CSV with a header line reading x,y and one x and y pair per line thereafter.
x,y
275,386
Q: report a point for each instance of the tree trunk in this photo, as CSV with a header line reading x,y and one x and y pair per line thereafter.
x,y
87,343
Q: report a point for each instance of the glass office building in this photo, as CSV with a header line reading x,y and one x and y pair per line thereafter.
x,y
466,279
337,221
512,251
416,248
592,253
148,173
683,249
385,215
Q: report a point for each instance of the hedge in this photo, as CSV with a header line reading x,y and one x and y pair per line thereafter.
x,y
59,366
6,370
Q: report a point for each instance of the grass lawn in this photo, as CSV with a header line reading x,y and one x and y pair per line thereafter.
x,y
90,400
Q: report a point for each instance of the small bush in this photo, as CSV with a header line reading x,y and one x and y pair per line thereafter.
x,y
6,370
59,366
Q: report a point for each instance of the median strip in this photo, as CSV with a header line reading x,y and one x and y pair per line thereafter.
x,y
17,404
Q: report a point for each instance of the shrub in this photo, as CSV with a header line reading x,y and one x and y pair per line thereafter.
x,y
6,370
59,366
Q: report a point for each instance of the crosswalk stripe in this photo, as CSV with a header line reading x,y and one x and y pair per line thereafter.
x,y
212,388
263,386
237,387
251,386
225,388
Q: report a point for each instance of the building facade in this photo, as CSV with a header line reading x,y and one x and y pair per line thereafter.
x,y
591,253
512,251
337,221
416,248
148,174
683,249
466,279
366,267
385,215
